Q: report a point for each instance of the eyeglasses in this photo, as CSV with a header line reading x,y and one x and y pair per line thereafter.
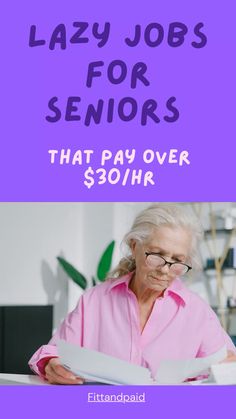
x,y
154,260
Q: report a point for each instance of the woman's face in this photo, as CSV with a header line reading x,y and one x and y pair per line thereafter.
x,y
173,244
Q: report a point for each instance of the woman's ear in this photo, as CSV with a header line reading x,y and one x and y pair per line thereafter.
x,y
133,247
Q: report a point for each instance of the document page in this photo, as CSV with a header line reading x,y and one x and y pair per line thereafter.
x,y
177,371
100,367
96,366
224,373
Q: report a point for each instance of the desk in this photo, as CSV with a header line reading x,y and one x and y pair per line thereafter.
x,y
34,380
30,380
22,379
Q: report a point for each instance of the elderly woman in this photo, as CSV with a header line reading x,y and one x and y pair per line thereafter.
x,y
143,313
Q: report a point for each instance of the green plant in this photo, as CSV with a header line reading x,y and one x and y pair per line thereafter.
x,y
103,268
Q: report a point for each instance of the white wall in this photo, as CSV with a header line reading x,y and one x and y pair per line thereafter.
x,y
33,234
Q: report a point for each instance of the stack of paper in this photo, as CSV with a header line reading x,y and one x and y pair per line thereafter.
x,y
93,365
96,366
177,371
224,373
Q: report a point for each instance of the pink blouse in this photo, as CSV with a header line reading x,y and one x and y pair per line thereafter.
x,y
106,319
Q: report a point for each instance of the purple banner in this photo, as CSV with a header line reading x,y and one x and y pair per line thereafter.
x,y
167,402
118,101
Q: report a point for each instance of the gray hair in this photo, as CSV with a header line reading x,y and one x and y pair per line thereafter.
x,y
160,214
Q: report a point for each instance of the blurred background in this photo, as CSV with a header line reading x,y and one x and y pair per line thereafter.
x,y
36,292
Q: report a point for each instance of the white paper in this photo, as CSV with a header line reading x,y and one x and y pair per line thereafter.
x,y
224,373
177,371
96,366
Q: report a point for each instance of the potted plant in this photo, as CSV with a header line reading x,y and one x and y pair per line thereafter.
x,y
104,266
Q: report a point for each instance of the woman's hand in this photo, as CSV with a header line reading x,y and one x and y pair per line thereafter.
x,y
57,374
231,357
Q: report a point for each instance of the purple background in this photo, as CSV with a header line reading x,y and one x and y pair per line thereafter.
x,y
203,81
161,402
